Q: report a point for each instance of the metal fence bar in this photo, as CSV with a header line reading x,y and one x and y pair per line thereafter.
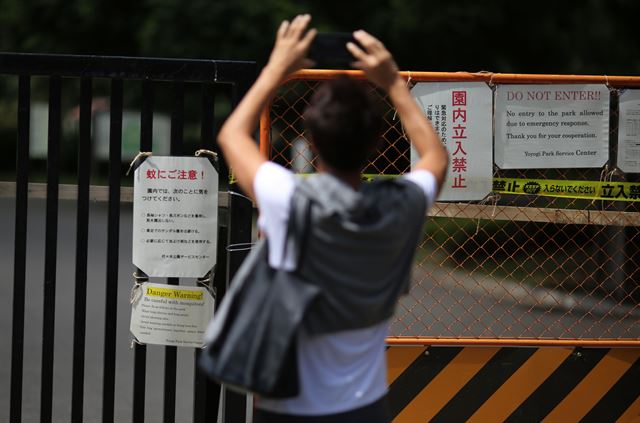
x,y
205,391
535,214
185,70
82,236
495,78
98,193
51,240
20,247
140,350
239,232
177,126
113,239
491,342
240,217
207,135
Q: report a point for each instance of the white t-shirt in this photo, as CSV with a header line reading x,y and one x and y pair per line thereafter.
x,y
340,371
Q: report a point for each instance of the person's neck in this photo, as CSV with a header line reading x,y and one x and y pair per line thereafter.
x,y
351,178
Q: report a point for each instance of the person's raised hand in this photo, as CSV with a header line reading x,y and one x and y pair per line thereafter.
x,y
292,44
374,59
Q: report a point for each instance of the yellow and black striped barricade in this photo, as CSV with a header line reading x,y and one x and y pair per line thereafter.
x,y
501,383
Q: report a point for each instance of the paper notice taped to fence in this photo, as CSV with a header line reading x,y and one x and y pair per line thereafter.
x,y
629,132
461,114
551,126
175,216
170,315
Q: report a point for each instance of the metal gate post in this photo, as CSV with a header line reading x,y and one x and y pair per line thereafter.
x,y
240,220
235,406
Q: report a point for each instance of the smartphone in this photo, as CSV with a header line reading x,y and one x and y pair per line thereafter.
x,y
329,50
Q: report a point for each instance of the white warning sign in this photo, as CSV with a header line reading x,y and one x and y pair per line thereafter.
x,y
175,216
629,132
552,126
170,315
461,114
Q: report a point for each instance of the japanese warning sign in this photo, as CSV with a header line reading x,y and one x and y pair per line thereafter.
x,y
551,126
175,207
461,114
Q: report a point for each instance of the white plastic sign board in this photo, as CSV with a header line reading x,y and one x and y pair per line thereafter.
x,y
461,114
551,126
629,132
170,315
175,216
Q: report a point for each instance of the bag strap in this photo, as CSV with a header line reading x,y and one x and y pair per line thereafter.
x,y
298,228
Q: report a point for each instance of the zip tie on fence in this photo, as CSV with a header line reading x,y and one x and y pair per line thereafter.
x,y
205,283
488,199
206,152
604,173
138,277
241,246
136,290
138,156
395,111
205,279
491,83
136,293
495,205
237,194
134,341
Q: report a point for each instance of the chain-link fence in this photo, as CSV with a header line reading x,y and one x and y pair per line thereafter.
x,y
510,266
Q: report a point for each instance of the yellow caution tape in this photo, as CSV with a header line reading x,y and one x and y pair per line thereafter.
x,y
587,190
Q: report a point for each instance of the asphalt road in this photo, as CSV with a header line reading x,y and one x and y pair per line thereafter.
x,y
443,302
63,349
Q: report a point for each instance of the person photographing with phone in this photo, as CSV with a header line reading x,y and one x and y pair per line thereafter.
x,y
362,236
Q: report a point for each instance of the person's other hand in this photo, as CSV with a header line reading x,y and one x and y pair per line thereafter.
x,y
292,44
374,59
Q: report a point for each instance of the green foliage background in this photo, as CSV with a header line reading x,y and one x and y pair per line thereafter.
x,y
571,37
589,36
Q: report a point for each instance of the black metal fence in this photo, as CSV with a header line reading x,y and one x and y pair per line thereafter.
x,y
209,81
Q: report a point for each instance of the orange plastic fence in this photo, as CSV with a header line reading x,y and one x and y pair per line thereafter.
x,y
511,269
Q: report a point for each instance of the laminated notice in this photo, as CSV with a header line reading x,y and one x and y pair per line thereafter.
x,y
175,216
170,315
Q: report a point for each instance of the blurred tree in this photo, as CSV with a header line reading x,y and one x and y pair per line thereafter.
x,y
205,29
73,26
588,36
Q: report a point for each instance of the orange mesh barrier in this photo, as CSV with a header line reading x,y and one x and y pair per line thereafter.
x,y
520,269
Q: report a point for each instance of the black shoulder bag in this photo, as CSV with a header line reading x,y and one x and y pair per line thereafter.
x,y
250,343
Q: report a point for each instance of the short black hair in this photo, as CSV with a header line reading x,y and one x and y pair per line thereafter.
x,y
344,123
